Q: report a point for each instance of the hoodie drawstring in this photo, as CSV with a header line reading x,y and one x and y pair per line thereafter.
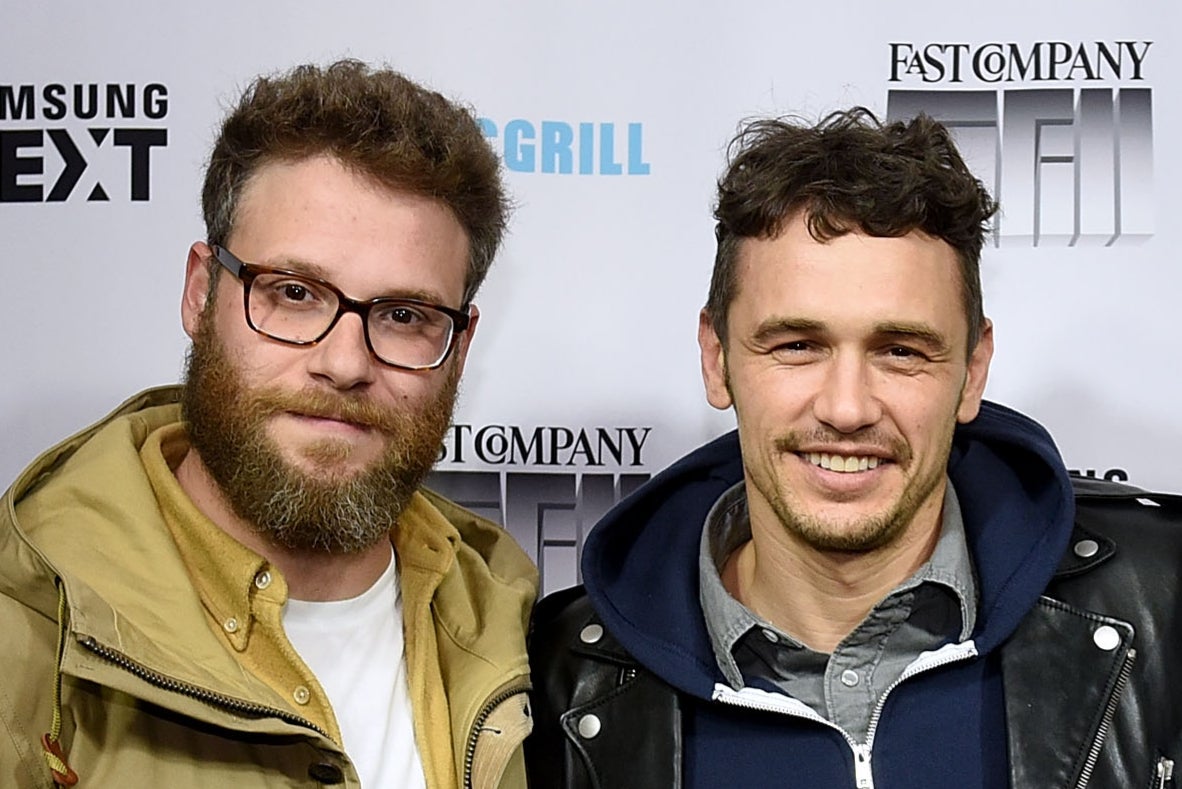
x,y
62,774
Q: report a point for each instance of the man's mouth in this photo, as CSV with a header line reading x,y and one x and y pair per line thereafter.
x,y
846,464
337,418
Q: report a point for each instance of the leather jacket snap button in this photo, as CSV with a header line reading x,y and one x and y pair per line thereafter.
x,y
1086,549
591,634
1106,638
589,727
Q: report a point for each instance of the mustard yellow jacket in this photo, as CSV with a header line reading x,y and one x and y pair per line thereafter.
x,y
150,698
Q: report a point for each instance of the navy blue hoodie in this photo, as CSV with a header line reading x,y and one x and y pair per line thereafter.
x,y
943,727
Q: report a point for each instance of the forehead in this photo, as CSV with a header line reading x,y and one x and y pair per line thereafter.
x,y
318,215
848,280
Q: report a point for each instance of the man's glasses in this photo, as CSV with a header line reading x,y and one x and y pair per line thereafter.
x,y
302,310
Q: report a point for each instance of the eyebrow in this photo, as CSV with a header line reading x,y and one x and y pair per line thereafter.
x,y
921,332
773,327
316,271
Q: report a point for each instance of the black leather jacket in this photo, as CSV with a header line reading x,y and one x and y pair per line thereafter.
x,y
1078,715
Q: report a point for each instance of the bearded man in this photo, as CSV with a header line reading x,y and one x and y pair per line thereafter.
x,y
240,582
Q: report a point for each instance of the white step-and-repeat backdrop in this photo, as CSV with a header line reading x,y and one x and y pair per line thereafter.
x,y
612,118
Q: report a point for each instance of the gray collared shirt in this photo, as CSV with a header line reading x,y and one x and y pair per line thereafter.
x,y
937,605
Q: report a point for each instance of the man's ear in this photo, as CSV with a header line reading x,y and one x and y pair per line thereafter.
x,y
713,363
196,289
976,376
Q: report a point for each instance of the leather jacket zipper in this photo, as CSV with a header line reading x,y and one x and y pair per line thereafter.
x,y
1122,679
478,726
1163,776
193,691
753,698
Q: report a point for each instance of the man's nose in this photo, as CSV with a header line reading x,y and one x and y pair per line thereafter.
x,y
342,357
847,401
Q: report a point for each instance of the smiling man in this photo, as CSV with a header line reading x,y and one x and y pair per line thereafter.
x,y
880,579
240,582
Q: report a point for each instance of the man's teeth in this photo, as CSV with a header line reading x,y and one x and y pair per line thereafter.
x,y
842,463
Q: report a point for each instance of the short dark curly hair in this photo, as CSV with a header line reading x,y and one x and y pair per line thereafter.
x,y
849,172
375,122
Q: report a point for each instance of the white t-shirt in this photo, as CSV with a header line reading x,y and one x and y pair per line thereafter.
x,y
355,648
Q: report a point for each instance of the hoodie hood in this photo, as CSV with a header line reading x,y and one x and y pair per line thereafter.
x,y
640,563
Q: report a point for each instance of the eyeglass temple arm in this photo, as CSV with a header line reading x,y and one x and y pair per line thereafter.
x,y
228,261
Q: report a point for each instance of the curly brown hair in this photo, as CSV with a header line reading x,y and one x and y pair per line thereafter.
x,y
375,121
849,172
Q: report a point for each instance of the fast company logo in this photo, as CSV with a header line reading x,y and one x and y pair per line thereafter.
x,y
1061,133
95,141
547,484
564,148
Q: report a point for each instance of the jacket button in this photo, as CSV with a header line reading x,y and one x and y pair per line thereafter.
x,y
326,773
1106,638
589,727
1086,549
591,634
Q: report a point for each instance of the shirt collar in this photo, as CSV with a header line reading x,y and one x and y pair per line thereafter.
x,y
728,526
226,574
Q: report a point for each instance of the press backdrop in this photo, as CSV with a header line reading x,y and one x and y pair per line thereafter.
x,y
612,118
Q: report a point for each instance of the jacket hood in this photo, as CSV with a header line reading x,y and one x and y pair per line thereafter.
x,y
640,562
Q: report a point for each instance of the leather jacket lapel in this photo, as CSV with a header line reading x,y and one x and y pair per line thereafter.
x,y
1062,670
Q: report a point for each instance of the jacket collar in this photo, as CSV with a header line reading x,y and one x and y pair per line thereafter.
x,y
86,513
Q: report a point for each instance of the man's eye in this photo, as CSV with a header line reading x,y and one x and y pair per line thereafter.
x,y
401,316
294,291
794,352
903,355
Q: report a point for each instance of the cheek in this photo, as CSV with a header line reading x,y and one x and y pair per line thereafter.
x,y
930,428
259,361
773,397
403,389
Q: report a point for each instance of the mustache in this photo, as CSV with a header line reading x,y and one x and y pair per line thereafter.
x,y
318,403
872,439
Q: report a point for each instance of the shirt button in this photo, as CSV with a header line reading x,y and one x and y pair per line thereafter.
x,y
230,625
849,678
326,773
263,579
301,695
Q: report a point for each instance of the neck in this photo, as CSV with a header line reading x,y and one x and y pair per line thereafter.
x,y
310,575
819,597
